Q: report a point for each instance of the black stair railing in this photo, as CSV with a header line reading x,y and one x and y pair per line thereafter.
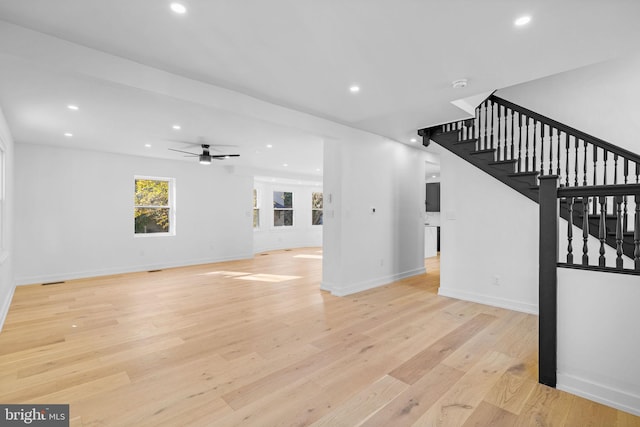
x,y
591,183
577,200
538,143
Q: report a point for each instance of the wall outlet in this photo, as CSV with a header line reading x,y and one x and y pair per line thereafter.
x,y
496,280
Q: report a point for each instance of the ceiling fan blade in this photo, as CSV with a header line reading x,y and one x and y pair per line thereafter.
x,y
223,156
186,152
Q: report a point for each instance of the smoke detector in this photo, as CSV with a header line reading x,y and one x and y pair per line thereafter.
x,y
459,84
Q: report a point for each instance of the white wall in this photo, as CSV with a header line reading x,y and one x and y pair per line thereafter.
x,y
7,255
301,234
489,239
364,249
602,100
598,345
74,214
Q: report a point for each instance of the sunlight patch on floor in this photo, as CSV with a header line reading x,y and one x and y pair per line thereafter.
x,y
272,278
308,256
225,273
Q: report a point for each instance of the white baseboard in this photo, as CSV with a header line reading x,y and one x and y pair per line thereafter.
x,y
521,306
352,288
47,278
600,393
4,308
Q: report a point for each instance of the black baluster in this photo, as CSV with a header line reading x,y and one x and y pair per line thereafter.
x,y
585,230
615,169
490,125
566,137
605,166
602,230
575,139
558,132
570,232
485,140
550,151
519,142
526,142
534,144
585,163
636,234
625,169
542,133
619,251
500,144
512,156
595,166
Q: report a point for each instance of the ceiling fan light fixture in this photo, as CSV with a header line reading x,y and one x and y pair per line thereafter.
x,y
205,159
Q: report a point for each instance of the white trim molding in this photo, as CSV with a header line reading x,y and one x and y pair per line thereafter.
x,y
352,288
600,393
509,304
4,308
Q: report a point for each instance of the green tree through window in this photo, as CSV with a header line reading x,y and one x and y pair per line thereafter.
x,y
152,206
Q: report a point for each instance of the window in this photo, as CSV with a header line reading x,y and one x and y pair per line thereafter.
x,y
316,208
282,209
256,210
153,206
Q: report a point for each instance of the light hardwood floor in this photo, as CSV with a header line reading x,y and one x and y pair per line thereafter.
x,y
255,342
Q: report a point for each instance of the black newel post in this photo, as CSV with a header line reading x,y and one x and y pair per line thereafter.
x,y
547,288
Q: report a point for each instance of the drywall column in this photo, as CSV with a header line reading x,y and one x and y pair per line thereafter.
x,y
374,213
7,284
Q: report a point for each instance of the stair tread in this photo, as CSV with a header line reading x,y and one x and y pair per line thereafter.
x,y
488,150
524,173
466,141
503,162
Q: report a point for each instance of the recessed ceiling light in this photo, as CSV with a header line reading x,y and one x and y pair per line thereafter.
x,y
73,107
522,21
318,170
68,134
269,146
354,89
285,165
433,176
459,84
176,127
178,8
413,140
147,145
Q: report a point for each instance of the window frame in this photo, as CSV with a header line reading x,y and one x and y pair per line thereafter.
x,y
171,206
292,208
256,209
313,209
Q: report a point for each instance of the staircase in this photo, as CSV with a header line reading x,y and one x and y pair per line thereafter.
x,y
517,146
589,182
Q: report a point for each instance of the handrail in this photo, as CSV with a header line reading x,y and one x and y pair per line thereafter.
x,y
599,190
568,129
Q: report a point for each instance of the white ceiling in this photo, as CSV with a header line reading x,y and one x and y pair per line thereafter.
x,y
298,54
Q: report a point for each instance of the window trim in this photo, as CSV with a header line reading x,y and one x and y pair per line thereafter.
x,y
316,209
171,206
256,207
292,209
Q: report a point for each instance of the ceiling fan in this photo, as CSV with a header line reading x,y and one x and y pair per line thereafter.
x,y
206,157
